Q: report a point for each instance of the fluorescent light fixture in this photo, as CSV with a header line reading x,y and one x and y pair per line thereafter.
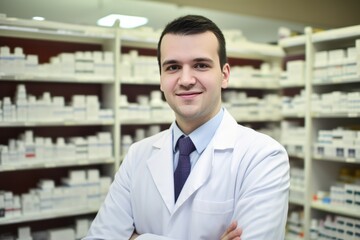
x,y
125,21
37,18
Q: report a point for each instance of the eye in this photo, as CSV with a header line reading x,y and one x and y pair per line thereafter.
x,y
201,66
172,68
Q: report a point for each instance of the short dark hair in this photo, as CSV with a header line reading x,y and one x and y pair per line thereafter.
x,y
194,24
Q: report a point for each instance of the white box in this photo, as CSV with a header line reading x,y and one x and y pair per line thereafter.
x,y
78,103
81,228
77,176
349,195
93,175
31,64
296,71
61,234
24,233
2,204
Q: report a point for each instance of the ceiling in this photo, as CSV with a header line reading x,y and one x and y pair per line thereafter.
x,y
258,20
317,13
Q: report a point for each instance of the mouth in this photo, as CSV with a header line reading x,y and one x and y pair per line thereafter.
x,y
188,94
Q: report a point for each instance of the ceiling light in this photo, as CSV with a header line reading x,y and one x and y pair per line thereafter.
x,y
37,18
125,21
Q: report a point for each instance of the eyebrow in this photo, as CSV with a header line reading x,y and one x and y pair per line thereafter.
x,y
171,61
168,62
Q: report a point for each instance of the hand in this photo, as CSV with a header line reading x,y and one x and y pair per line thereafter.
x,y
232,232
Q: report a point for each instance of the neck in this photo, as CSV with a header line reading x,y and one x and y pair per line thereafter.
x,y
188,125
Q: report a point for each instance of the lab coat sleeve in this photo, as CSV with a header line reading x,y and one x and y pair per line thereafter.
x,y
115,219
149,236
261,209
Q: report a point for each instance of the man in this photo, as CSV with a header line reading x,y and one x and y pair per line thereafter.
x,y
239,178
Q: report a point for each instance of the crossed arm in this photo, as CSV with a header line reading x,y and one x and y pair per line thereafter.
x,y
231,233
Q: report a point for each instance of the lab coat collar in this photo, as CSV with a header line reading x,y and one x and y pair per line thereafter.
x,y
161,165
227,133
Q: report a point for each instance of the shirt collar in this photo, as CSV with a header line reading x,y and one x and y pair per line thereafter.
x,y
202,135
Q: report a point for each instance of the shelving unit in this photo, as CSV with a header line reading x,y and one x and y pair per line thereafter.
x,y
254,90
57,164
48,216
329,41
293,133
322,172
47,40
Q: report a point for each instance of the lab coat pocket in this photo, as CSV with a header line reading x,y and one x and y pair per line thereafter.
x,y
211,207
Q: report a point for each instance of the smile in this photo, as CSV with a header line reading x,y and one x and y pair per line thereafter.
x,y
188,94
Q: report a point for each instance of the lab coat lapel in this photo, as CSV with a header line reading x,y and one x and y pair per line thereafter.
x,y
197,177
160,165
224,138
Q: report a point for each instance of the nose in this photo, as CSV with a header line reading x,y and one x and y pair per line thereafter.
x,y
187,77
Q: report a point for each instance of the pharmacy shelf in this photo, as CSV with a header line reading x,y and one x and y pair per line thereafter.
x,y
56,164
58,123
290,87
293,115
129,40
294,45
295,155
49,215
291,84
332,115
146,121
254,85
54,38
336,159
141,81
252,50
334,39
246,119
352,32
293,238
293,41
297,201
65,79
47,30
336,209
339,34
339,80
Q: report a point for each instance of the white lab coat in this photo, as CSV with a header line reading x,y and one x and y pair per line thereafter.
x,y
242,175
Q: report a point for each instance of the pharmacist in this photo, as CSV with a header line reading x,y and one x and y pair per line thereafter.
x,y
238,183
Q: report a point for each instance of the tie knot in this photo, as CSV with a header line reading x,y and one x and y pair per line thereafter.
x,y
186,146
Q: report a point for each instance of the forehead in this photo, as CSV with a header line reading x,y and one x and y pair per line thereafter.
x,y
173,45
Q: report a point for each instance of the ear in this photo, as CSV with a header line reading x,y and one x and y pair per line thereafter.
x,y
161,88
225,75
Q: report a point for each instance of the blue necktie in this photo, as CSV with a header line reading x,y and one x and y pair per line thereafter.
x,y
183,168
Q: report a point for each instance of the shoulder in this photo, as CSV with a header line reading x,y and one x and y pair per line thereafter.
x,y
141,150
231,133
260,140
152,141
